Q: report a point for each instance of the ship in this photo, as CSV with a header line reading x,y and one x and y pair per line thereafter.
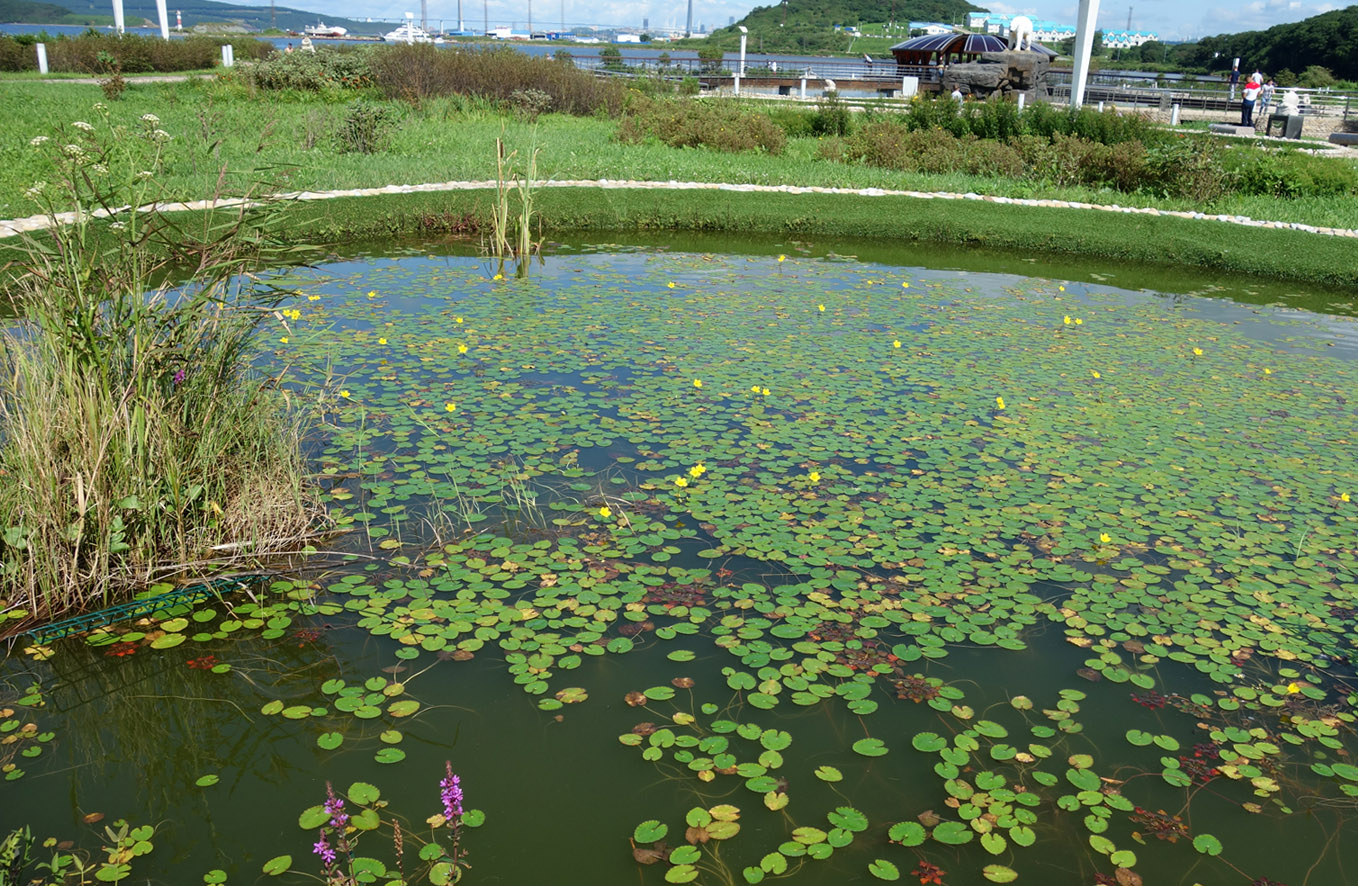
x,y
411,33
321,29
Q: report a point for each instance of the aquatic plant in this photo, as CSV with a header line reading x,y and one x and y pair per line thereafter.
x,y
136,440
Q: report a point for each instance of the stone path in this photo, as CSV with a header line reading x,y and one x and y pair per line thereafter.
x,y
42,222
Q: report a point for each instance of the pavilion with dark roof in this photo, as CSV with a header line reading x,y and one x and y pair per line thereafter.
x,y
946,49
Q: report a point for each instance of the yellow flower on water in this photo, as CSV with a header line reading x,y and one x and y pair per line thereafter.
x,y
1343,496
1079,322
1066,320
670,284
344,394
284,339
313,298
1293,688
1095,373
372,293
1060,289
765,392
697,382
1267,371
820,308
754,389
697,470
814,476
1105,537
999,402
896,343
605,512
462,349
1197,352
457,319
681,482
905,285
450,407
782,258
381,341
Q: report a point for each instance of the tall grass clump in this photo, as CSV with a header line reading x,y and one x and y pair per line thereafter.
x,y
418,72
133,53
719,125
136,441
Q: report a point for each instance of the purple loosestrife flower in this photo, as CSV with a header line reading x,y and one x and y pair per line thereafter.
x,y
323,849
450,792
179,377
335,806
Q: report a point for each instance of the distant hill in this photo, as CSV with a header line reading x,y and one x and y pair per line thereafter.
x,y
808,25
32,13
1329,40
256,18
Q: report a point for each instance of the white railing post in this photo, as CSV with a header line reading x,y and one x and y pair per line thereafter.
x,y
42,58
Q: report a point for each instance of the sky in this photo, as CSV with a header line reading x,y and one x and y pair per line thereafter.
x,y
1170,19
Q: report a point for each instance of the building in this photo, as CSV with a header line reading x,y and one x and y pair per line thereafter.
x,y
1043,31
930,29
1127,39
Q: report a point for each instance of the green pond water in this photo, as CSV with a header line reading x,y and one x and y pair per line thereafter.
x,y
827,565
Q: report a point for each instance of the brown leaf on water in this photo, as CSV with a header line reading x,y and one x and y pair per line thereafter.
x,y
644,729
682,682
928,818
696,835
635,699
93,817
648,854
1127,877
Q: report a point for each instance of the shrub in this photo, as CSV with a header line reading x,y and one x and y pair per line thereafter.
x,y
1185,167
326,69
530,103
135,440
722,126
831,116
366,128
419,72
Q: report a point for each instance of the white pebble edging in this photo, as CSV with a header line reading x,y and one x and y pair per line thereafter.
x,y
43,222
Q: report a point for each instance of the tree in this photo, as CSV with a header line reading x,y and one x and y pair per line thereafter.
x,y
1153,51
612,57
711,57
1097,48
1316,77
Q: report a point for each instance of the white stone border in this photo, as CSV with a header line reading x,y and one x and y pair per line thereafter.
x,y
42,222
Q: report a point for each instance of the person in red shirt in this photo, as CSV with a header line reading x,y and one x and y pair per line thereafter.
x,y
1248,96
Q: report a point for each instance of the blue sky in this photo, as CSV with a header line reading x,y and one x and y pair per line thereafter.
x,y
1171,19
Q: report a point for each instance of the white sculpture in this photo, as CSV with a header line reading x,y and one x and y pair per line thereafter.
x,y
1021,32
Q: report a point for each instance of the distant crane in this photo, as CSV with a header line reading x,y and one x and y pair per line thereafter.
x,y
1129,18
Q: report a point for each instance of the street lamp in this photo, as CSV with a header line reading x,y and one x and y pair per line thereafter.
x,y
744,32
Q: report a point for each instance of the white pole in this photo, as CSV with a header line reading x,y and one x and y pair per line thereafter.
x,y
1084,44
164,20
42,58
227,60
1173,118
737,84
118,23
744,31
1021,97
410,27
803,87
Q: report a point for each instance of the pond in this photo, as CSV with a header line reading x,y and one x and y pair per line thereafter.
x,y
726,566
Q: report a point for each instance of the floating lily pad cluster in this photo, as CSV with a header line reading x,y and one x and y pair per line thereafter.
x,y
21,736
818,485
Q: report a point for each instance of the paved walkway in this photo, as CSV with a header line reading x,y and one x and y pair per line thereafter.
x,y
42,222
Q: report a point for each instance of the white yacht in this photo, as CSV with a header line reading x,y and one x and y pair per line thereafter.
x,y
410,33
321,29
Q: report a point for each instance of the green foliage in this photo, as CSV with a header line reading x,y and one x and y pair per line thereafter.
x,y
366,127
419,72
327,69
132,53
722,126
1328,40
134,433
612,58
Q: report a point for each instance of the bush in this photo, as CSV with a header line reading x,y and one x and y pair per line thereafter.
x,y
831,116
324,70
132,53
421,71
722,126
366,128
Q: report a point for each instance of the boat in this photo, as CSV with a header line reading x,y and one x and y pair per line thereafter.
x,y
321,29
409,33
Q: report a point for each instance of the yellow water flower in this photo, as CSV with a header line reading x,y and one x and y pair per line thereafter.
x,y
697,470
896,343
1066,320
1343,496
1293,688
782,258
498,277
820,308
457,319
754,389
344,394
372,293
1105,537
1267,371
999,402
905,285
284,339
381,341
681,482
670,284
450,407
697,382
462,349
605,512
765,392
814,476
1060,289
1095,373
1079,322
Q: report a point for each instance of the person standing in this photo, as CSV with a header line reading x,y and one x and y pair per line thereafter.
x,y
1248,96
1235,80
1266,99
